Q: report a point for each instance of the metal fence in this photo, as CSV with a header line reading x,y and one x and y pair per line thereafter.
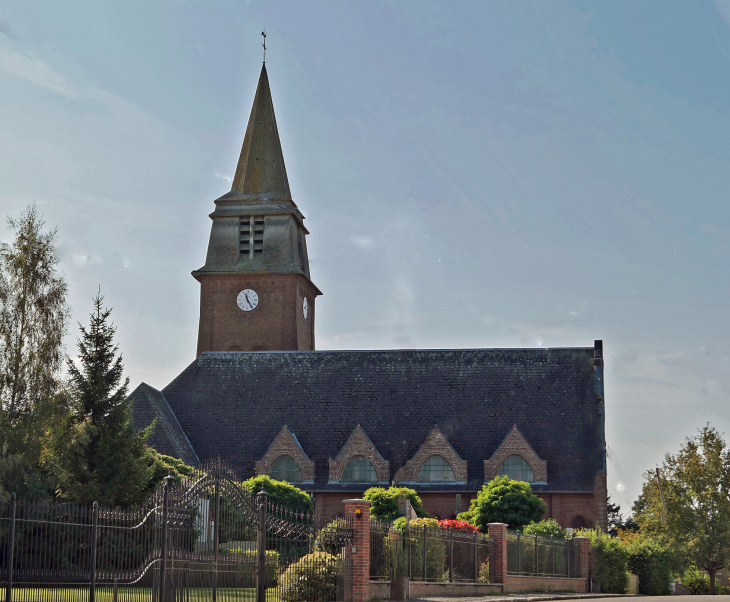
x,y
204,539
532,555
424,554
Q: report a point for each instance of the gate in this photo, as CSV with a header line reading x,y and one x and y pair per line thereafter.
x,y
204,539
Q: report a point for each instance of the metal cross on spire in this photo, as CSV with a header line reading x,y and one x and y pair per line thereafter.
x,y
263,33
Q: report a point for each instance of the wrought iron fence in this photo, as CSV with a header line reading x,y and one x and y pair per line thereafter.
x,y
203,539
426,554
533,555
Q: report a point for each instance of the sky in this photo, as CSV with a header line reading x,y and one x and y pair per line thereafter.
x,y
473,174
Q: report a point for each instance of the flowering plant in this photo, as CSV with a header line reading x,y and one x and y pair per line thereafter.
x,y
458,525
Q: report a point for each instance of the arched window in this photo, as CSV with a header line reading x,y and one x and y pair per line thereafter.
x,y
436,470
359,470
286,469
517,469
579,523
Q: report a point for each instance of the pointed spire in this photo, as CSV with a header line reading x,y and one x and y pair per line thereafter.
x,y
260,172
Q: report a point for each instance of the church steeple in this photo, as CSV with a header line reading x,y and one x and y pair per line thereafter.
x,y
260,172
256,292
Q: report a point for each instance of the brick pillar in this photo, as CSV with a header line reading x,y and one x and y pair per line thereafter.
x,y
584,549
498,561
359,510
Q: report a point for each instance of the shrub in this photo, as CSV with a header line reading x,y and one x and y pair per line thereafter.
x,y
313,577
696,581
386,502
611,559
248,567
281,493
327,540
458,525
545,528
484,572
503,500
435,548
652,563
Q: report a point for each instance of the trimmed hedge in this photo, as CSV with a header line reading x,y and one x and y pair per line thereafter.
x,y
653,564
313,577
611,561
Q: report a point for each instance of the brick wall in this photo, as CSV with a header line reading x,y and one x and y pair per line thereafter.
x,y
277,323
359,510
516,583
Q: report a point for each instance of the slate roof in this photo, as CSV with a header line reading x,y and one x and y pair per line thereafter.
x,y
233,405
167,437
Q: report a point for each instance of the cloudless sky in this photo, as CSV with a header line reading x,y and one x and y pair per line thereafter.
x,y
473,174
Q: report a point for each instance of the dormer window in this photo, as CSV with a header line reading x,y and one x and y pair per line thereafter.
x,y
517,469
436,470
359,470
286,469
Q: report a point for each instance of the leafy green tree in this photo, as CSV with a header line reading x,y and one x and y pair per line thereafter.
x,y
98,456
696,487
503,500
33,320
616,520
281,493
386,503
545,528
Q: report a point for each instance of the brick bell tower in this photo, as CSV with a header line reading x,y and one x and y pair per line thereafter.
x,y
255,289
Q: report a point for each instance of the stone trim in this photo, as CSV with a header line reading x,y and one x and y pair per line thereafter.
x,y
515,444
286,444
435,444
359,444
600,492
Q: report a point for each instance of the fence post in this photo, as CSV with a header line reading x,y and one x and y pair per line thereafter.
x,y
498,564
583,551
216,533
163,560
359,511
94,539
424,553
11,542
519,554
451,554
261,499
476,559
537,567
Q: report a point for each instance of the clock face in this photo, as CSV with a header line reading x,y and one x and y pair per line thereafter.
x,y
247,299
305,307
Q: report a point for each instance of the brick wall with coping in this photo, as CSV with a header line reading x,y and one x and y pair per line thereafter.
x,y
498,564
359,510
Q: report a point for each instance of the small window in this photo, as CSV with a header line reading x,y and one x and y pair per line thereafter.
x,y
436,470
517,469
359,470
286,469
579,523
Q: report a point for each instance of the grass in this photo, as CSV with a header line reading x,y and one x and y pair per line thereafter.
x,y
139,594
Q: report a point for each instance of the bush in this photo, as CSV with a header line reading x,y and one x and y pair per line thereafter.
x,y
435,548
503,500
386,502
696,581
458,525
545,528
313,577
281,493
652,563
327,540
611,561
248,567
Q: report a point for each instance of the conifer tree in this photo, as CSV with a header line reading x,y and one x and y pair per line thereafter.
x,y
99,456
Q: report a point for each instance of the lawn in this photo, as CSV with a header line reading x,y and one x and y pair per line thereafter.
x,y
139,594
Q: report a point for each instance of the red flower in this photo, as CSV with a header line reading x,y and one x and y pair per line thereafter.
x,y
457,525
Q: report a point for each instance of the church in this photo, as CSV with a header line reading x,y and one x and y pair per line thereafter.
x,y
335,423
